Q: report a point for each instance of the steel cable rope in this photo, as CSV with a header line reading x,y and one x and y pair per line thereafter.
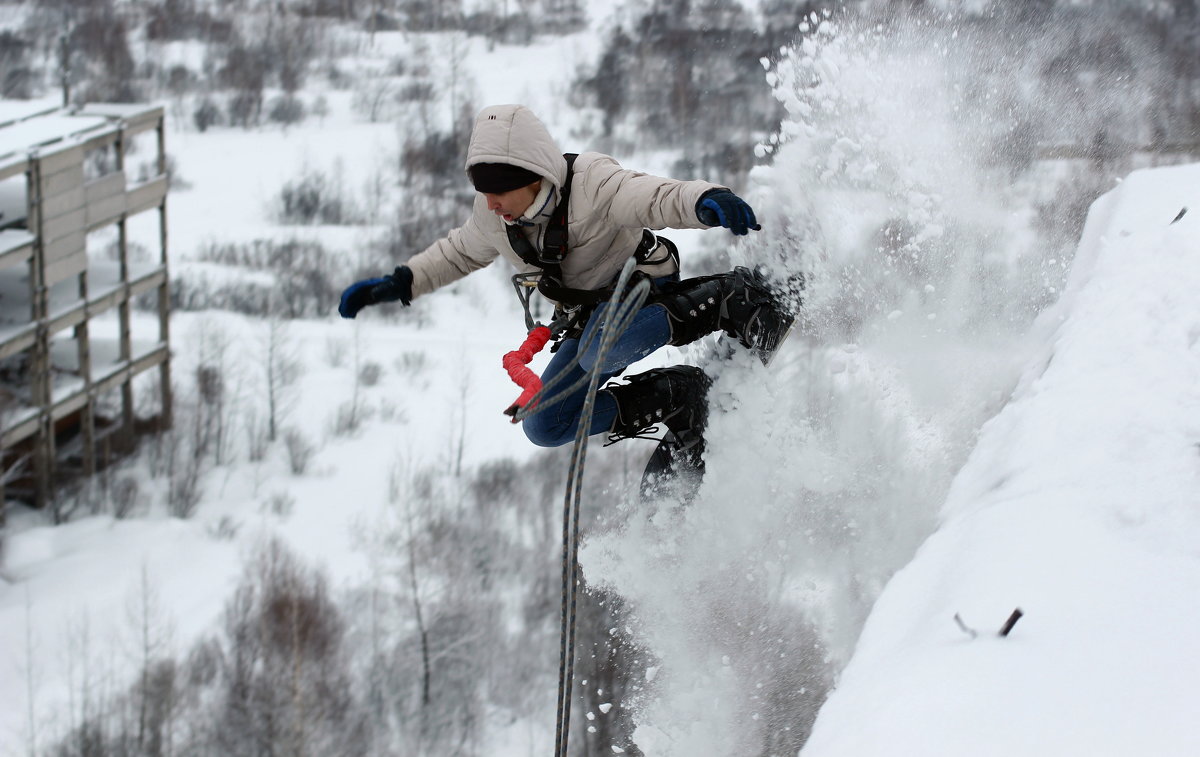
x,y
618,316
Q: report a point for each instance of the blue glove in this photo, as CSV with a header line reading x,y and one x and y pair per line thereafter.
x,y
720,207
396,286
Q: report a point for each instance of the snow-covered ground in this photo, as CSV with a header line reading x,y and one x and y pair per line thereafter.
x,y
836,464
1076,502
1078,506
71,595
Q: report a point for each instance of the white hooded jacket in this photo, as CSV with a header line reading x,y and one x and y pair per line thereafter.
x,y
608,210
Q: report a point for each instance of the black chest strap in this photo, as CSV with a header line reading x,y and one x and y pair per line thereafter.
x,y
554,251
554,242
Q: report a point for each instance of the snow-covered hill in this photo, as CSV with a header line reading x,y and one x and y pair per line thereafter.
x,y
71,596
831,469
827,472
1081,506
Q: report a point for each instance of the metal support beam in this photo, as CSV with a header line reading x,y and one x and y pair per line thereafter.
x,y
63,209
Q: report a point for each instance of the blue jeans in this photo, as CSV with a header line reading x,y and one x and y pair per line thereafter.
x,y
556,424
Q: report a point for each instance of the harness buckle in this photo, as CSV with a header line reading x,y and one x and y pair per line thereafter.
x,y
554,245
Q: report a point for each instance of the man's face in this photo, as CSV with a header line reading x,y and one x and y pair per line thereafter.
x,y
513,204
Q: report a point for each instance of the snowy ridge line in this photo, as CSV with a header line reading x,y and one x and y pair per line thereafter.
x,y
1079,497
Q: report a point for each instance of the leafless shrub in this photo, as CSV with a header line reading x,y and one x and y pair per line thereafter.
x,y
160,694
257,438
317,197
17,82
176,457
300,285
281,504
125,493
207,114
212,431
337,350
67,502
370,373
281,369
183,486
225,529
412,362
390,412
375,99
300,451
286,110
348,418
245,109
283,683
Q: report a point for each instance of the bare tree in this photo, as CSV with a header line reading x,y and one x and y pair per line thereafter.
x,y
83,698
64,59
352,412
184,465
285,686
155,700
281,368
31,677
217,392
375,97
460,414
414,586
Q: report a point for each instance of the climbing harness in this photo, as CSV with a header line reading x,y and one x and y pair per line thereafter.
x,y
549,280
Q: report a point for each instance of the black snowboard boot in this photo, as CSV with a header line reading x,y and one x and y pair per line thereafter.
x,y
739,303
675,397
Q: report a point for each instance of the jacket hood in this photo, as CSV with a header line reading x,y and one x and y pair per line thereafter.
x,y
513,134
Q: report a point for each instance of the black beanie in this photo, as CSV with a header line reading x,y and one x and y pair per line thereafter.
x,y
498,178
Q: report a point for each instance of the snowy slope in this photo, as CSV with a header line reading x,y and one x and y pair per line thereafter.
x,y
1078,505
825,472
828,472
825,478
71,596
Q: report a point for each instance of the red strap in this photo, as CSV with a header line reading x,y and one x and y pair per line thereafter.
x,y
515,362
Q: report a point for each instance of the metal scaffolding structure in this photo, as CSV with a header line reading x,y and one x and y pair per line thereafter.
x,y
67,387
